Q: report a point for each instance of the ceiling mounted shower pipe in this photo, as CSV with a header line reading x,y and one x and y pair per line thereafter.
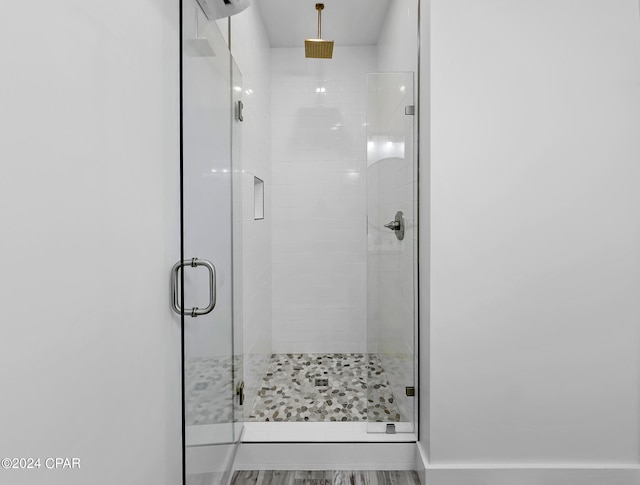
x,y
318,48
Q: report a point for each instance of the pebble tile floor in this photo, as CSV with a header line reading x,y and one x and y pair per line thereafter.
x,y
208,391
325,387
343,477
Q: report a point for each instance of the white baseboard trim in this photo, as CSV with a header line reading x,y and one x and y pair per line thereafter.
x,y
530,476
535,474
326,456
422,462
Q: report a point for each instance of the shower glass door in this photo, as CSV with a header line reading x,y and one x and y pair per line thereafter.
x,y
206,273
391,252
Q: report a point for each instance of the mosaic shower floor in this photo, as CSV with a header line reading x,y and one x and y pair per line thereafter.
x,y
325,387
208,391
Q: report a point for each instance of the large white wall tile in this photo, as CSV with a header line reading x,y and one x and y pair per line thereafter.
x,y
319,210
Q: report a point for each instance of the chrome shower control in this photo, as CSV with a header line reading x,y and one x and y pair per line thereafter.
x,y
393,225
397,225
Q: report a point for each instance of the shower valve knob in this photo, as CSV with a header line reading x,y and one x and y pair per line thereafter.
x,y
397,225
393,225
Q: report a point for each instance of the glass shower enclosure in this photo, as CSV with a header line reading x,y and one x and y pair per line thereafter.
x,y
392,260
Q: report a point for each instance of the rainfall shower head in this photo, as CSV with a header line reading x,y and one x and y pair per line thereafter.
x,y
318,48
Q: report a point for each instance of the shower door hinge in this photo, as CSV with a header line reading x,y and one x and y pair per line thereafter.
x,y
410,110
240,393
410,391
240,107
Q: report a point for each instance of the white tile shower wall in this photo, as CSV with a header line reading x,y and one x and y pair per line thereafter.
x,y
318,205
250,49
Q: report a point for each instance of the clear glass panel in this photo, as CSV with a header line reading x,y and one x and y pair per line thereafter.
x,y
237,214
391,258
207,191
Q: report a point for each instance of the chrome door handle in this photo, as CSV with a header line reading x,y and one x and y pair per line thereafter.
x,y
195,311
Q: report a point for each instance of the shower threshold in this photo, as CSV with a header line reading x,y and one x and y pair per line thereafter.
x,y
327,432
297,432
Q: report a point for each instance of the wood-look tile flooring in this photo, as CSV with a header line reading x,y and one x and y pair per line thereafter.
x,y
322,477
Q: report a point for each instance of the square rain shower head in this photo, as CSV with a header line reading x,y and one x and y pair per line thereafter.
x,y
318,48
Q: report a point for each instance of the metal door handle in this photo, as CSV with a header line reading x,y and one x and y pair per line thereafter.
x,y
195,311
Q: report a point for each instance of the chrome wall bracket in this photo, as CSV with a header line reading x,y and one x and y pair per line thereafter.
x,y
175,283
240,393
239,110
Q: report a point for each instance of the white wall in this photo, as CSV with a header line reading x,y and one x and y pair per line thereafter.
x,y
397,48
423,155
534,243
318,200
89,355
250,49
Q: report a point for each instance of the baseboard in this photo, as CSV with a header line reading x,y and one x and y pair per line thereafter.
x,y
531,476
462,474
422,462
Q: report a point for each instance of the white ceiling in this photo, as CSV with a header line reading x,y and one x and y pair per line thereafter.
x,y
346,22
